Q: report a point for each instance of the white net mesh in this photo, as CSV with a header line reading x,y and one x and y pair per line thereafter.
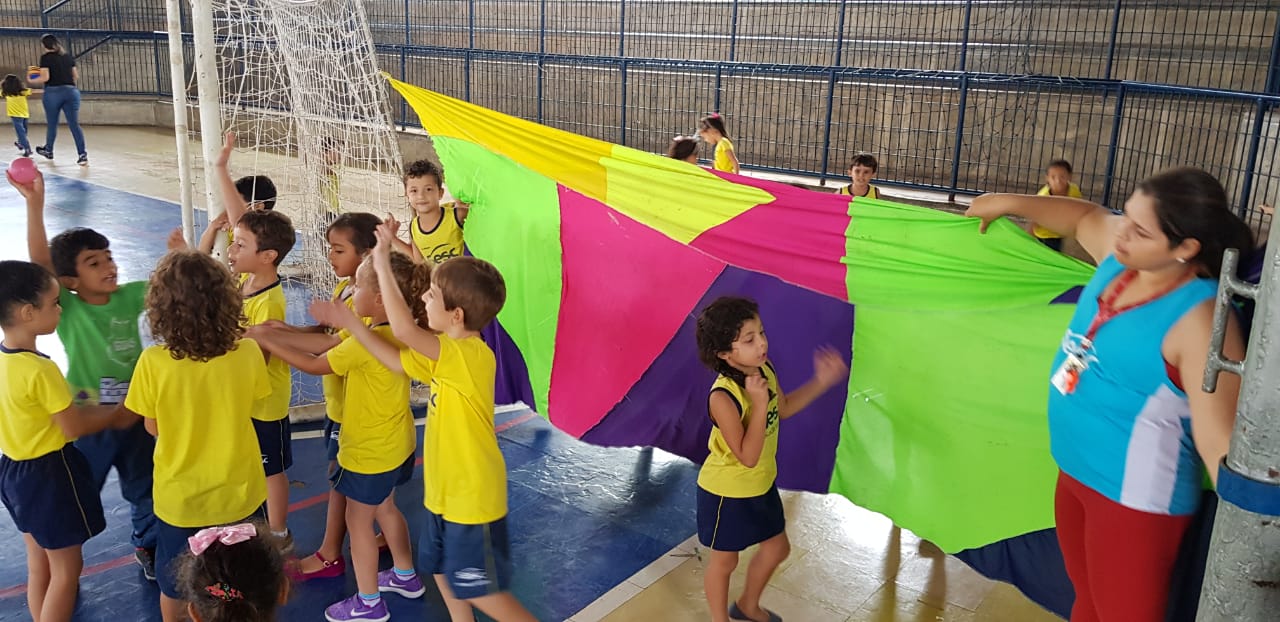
x,y
300,88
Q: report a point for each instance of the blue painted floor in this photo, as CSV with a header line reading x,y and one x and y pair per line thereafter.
x,y
582,518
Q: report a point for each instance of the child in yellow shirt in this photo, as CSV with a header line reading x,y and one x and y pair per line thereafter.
x,y
15,104
198,391
436,228
711,129
1058,183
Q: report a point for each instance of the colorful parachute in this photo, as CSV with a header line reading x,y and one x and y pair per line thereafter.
x,y
610,252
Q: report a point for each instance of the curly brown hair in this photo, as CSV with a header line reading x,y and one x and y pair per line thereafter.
x,y
194,306
717,329
413,279
473,284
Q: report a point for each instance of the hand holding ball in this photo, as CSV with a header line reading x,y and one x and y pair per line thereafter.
x,y
22,170
33,74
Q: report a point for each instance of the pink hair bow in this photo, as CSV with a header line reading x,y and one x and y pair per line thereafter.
x,y
228,535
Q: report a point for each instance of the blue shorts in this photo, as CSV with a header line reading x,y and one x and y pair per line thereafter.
x,y
371,489
331,430
475,559
171,543
275,445
732,524
53,498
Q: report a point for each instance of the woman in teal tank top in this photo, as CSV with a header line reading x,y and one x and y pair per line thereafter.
x,y
1129,436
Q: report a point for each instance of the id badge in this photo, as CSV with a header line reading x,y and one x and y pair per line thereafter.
x,y
1068,374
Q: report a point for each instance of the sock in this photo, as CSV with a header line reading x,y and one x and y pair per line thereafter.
x,y
281,534
370,600
404,575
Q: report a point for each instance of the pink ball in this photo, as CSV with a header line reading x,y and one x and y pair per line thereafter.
x,y
22,170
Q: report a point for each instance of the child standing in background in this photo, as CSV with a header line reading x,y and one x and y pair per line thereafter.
x,y
861,172
738,502
15,104
1058,183
436,228
711,129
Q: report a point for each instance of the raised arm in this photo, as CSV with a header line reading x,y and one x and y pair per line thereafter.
x,y
232,202
37,239
403,325
828,370
217,226
1089,223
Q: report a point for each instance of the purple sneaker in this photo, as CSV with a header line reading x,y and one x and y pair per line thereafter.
x,y
389,581
354,609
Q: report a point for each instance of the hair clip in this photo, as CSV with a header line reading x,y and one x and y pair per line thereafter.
x,y
228,535
223,592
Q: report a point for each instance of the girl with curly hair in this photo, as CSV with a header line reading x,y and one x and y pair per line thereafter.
x,y
197,389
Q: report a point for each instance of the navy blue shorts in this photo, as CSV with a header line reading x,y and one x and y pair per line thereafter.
x,y
275,445
730,524
371,489
331,430
52,498
475,559
171,543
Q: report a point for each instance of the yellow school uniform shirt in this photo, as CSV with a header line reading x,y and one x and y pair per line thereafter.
x,y
377,429
872,191
722,161
463,470
332,384
444,241
208,469
265,304
722,474
1073,191
34,390
16,105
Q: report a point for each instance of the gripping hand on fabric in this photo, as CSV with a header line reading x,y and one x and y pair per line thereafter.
x,y
829,367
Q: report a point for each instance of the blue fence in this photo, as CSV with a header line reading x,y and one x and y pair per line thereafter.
x,y
958,96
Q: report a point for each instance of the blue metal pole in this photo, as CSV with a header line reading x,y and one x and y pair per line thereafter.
x,y
733,52
471,45
1273,69
955,152
404,75
1255,138
155,51
542,52
407,37
1117,120
622,28
831,92
1111,40
44,17
622,133
964,37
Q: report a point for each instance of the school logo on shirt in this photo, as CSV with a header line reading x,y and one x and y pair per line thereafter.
x,y
123,344
442,253
112,391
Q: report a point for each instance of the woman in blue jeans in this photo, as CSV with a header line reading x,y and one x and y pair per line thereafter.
x,y
58,74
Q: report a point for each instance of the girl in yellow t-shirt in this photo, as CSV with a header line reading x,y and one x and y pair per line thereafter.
x,y
15,104
738,502
711,129
377,440
351,237
197,391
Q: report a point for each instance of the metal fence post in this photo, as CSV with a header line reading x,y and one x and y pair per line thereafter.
x,y
155,53
1111,40
733,53
1243,570
959,144
471,46
1117,120
836,60
1251,161
1273,67
542,53
622,133
964,36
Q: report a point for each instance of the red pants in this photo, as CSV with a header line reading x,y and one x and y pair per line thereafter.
x,y
1119,559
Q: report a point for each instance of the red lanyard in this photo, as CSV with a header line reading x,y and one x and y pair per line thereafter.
x,y
1107,309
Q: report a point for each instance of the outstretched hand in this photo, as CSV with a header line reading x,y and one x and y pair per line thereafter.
x,y
333,313
228,145
988,208
829,367
177,241
391,222
386,235
33,189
